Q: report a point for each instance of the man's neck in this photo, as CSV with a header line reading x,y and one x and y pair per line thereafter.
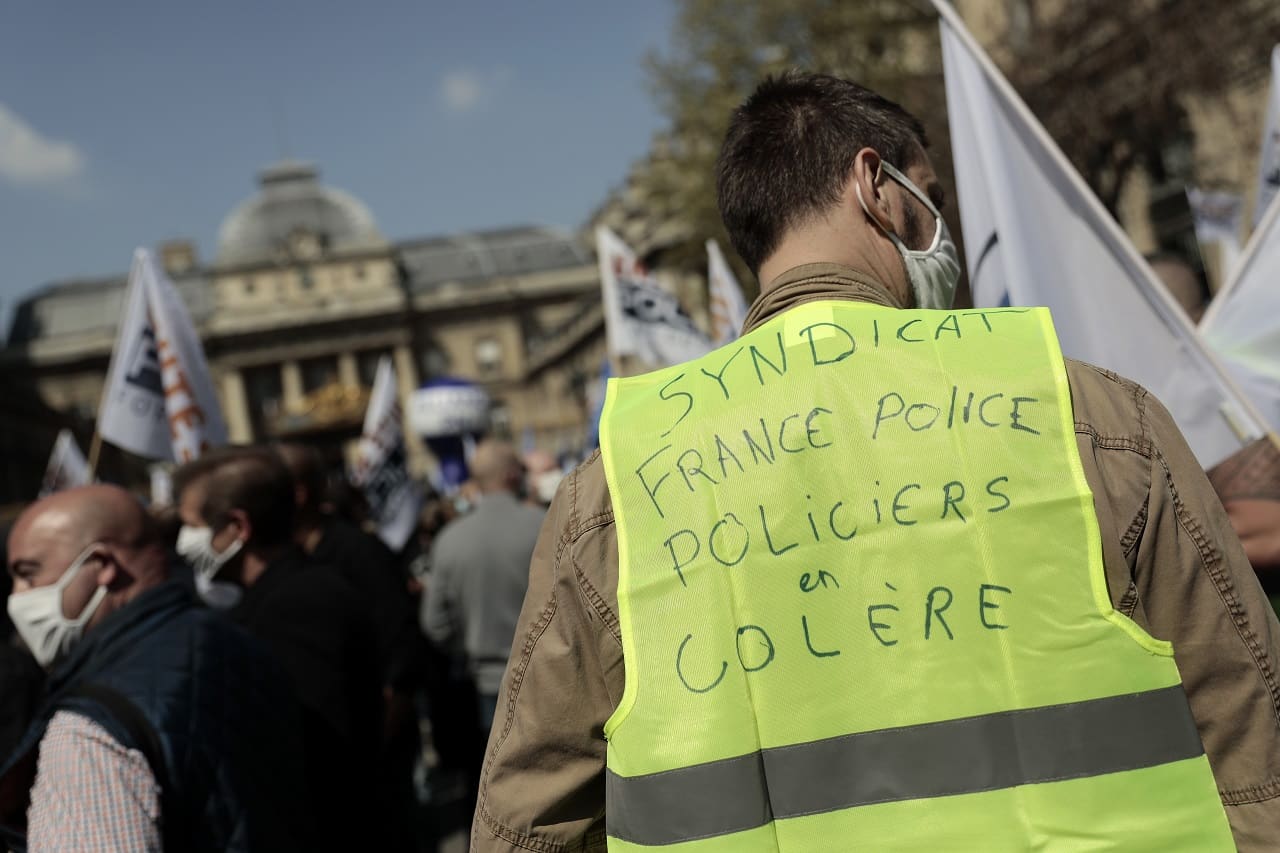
x,y
820,245
256,562
309,532
495,492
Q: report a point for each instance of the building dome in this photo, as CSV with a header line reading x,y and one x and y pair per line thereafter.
x,y
292,214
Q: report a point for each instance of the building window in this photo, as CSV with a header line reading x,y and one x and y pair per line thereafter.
x,y
500,420
264,388
432,362
318,372
358,271
249,287
367,365
488,356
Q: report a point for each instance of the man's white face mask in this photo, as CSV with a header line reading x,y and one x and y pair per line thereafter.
x,y
195,545
934,272
38,617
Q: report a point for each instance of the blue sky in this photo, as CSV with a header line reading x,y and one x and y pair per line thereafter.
x,y
128,123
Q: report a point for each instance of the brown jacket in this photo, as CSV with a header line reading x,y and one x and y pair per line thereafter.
x,y
1172,562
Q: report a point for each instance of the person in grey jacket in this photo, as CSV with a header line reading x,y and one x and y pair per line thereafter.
x,y
480,571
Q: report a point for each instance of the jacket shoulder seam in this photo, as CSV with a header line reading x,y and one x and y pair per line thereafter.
x,y
1268,790
1141,445
1211,562
597,602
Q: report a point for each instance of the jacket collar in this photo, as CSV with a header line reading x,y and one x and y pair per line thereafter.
x,y
119,633
816,283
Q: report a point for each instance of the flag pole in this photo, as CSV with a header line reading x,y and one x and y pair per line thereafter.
x,y
95,449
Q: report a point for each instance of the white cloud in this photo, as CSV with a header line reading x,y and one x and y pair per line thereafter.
x,y
26,157
465,90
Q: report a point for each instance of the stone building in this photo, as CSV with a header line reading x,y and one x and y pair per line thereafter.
x,y
305,294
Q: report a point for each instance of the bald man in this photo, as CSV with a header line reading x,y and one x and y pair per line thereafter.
x,y
143,742
480,570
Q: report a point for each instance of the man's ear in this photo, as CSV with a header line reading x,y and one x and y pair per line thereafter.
x,y
239,519
866,188
109,573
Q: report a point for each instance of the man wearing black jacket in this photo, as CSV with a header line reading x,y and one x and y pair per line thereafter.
x,y
376,577
238,513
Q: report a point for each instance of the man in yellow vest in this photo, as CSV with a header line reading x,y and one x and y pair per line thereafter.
x,y
880,575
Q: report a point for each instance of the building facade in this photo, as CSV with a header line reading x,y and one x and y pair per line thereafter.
x,y
305,295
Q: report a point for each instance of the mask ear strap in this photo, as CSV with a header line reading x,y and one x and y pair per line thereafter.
x,y
910,187
894,238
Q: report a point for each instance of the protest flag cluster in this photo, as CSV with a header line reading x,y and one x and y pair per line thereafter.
x,y
1036,235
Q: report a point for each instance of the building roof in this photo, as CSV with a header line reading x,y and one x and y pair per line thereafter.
x,y
85,307
292,200
519,250
93,306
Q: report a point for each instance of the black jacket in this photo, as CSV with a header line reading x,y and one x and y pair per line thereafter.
x,y
376,577
310,619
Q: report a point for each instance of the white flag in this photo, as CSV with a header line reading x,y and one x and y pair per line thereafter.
x,y
1243,321
381,469
132,414
159,400
1036,235
1269,159
641,318
728,307
67,466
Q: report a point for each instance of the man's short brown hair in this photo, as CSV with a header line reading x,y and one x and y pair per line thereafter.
x,y
253,480
790,149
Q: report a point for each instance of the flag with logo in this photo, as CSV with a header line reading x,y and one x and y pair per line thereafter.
x,y
1217,216
641,318
1242,322
67,466
728,307
159,400
382,465
1036,235
1269,159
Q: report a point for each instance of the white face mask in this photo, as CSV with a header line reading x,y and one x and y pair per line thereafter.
x,y
935,271
195,545
38,617
545,485
220,595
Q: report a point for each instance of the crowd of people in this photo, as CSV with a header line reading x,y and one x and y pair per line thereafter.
x,y
250,668
766,616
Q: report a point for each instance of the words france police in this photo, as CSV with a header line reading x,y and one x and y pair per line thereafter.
x,y
823,536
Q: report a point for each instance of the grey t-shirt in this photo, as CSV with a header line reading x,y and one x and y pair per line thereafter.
x,y
479,574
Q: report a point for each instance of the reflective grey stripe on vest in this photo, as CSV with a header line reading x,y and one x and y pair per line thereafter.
x,y
914,762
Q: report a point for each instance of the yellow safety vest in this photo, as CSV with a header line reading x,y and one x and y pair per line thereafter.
x,y
863,605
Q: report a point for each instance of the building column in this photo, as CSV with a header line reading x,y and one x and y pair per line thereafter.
x,y
348,373
235,408
291,384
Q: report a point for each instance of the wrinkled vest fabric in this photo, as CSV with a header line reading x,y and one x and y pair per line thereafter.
x,y
224,719
863,604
